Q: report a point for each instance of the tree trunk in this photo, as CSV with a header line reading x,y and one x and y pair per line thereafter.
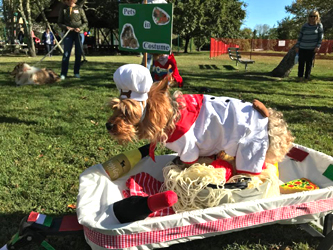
x,y
5,17
8,9
285,66
187,41
27,25
48,25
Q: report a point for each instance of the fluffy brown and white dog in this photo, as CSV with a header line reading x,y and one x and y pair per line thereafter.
x,y
196,125
25,74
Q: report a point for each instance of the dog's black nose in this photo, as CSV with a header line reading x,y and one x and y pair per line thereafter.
x,y
108,126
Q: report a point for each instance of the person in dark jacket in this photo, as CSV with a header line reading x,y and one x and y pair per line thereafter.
x,y
73,18
48,40
20,36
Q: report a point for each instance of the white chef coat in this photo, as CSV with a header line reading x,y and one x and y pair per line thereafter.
x,y
228,124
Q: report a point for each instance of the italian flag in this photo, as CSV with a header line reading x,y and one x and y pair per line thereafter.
x,y
41,219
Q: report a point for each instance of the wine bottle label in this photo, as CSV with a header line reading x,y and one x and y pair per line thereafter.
x,y
117,166
122,163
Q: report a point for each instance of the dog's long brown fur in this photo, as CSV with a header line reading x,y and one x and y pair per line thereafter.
x,y
25,74
162,113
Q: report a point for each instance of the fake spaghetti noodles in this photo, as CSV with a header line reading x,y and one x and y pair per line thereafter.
x,y
191,185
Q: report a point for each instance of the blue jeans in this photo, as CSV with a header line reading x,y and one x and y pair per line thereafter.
x,y
72,37
149,61
48,48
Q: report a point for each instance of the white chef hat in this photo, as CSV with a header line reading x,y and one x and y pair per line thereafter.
x,y
133,81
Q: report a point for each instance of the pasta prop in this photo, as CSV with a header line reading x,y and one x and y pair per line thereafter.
x,y
191,185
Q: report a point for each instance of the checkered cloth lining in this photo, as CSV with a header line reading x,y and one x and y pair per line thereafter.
x,y
224,224
143,184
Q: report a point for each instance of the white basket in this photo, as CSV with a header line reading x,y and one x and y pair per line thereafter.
x,y
97,193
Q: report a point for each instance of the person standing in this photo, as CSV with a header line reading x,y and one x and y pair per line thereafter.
x,y
73,18
162,64
308,44
48,40
20,36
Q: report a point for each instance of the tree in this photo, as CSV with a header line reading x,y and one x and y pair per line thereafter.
x,y
2,22
262,30
246,33
285,66
8,11
188,19
288,28
272,33
210,18
27,23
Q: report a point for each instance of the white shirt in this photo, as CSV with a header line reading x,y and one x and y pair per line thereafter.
x,y
48,38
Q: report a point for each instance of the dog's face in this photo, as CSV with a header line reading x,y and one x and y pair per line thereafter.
x,y
128,33
18,69
51,76
123,124
128,123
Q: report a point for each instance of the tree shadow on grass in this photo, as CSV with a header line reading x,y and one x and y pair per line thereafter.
x,y
9,79
229,67
322,78
13,120
324,109
253,76
264,237
207,66
261,236
9,225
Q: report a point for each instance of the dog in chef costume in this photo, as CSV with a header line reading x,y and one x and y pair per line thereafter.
x,y
196,125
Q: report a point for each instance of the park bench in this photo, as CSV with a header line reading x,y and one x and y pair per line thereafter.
x,y
235,55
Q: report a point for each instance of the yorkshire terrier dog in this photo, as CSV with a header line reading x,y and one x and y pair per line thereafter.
x,y
25,74
128,39
196,125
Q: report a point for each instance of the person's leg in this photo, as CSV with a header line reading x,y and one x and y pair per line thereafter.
x,y
301,62
68,44
78,52
309,59
47,48
51,48
149,60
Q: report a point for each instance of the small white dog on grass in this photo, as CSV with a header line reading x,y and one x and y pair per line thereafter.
x,y
26,74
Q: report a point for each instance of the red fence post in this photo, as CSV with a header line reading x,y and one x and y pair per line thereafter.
x,y
211,47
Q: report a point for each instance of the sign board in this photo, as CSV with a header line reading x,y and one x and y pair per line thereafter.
x,y
282,43
145,28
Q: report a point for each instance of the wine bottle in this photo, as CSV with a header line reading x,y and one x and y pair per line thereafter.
x,y
136,208
124,162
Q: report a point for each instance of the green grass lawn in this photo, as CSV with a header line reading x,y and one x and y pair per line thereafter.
x,y
51,134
